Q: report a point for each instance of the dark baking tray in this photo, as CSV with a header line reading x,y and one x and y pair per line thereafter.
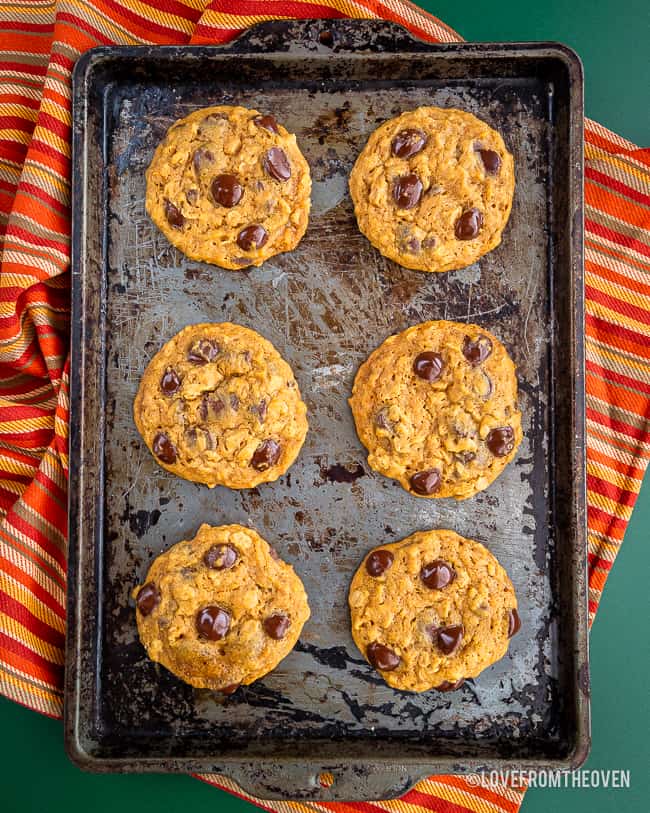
x,y
325,306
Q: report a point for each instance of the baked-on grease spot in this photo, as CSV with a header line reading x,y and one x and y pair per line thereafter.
x,y
336,473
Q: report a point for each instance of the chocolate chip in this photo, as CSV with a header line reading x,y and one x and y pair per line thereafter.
x,y
469,224
212,622
465,457
514,623
164,449
226,190
326,38
491,161
234,402
428,365
407,191
220,557
170,382
277,625
266,455
383,658
260,410
408,143
231,689
203,351
448,639
201,157
378,562
276,164
200,438
425,482
478,350
252,237
210,404
501,441
173,215
448,686
438,574
148,597
268,122
429,242
382,421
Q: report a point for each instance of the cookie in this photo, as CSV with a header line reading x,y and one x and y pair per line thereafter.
x,y
229,186
432,610
221,609
432,189
218,405
436,407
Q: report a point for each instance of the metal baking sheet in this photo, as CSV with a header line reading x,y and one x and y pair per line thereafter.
x,y
325,306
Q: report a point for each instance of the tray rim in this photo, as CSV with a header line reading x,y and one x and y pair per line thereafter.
x,y
414,768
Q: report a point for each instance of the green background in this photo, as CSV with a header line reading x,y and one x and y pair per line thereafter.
x,y
612,37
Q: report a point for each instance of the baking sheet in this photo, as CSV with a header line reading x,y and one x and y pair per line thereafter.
x,y
325,306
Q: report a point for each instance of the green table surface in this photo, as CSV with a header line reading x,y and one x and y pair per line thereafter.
x,y
612,39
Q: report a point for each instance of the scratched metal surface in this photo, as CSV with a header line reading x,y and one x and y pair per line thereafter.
x,y
325,306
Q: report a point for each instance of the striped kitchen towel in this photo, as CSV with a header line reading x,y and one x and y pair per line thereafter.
x,y
41,39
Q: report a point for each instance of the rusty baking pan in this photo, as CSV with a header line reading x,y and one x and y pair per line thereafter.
x,y
325,306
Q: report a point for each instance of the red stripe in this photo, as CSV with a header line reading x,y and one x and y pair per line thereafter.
x,y
435,803
618,495
54,669
617,186
618,378
601,329
618,426
618,305
598,513
596,563
617,237
14,609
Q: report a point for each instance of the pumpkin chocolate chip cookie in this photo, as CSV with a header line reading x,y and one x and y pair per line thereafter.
x,y
436,407
432,610
433,188
229,186
220,610
218,405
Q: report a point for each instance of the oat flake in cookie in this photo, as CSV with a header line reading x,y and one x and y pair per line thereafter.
x,y
433,188
436,407
220,610
219,405
441,610
229,186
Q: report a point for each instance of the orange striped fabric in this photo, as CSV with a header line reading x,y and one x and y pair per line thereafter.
x,y
41,41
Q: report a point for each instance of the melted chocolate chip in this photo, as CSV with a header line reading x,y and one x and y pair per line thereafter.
x,y
428,366
277,625
228,690
491,161
514,623
220,557
210,404
447,639
407,191
465,457
268,122
438,574
201,157
408,143
252,237
425,482
501,441
203,351
212,622
148,597
261,409
277,165
478,350
381,420
164,449
429,242
266,455
234,402
173,215
378,562
383,658
170,382
226,190
448,686
469,224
